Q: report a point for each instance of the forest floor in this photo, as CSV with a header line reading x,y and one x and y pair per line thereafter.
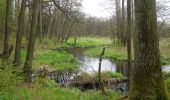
x,y
46,54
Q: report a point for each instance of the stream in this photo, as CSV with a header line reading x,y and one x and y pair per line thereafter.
x,y
90,65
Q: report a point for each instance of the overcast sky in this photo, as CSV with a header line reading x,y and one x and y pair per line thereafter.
x,y
96,8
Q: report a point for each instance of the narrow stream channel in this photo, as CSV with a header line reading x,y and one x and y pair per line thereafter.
x,y
90,65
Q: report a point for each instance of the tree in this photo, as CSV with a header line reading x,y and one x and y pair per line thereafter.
x,y
32,37
2,17
147,80
118,18
123,23
19,33
7,28
129,52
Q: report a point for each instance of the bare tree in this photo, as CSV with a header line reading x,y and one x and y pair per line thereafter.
x,y
7,28
20,31
32,37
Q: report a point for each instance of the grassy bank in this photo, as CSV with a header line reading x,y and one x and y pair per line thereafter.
x,y
115,54
90,41
13,88
52,58
57,59
37,92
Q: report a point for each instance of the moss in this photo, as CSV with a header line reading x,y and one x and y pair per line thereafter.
x,y
148,90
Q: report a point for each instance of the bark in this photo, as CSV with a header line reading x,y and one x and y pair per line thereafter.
x,y
40,22
118,22
123,24
7,28
32,37
134,30
20,31
69,32
129,38
147,80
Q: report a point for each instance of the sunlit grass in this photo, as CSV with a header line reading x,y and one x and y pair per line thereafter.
x,y
90,41
51,58
116,54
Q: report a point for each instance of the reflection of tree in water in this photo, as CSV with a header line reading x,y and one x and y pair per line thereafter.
x,y
122,68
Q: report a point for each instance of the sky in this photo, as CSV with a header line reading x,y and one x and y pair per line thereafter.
x,y
97,8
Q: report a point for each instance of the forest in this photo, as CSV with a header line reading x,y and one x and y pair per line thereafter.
x,y
57,50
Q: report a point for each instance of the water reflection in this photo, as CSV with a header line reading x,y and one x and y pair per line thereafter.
x,y
90,65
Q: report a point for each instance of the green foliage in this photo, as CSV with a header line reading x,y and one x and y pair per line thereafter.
x,y
9,79
166,76
89,41
167,83
13,88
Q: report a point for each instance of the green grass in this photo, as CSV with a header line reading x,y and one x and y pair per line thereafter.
x,y
165,50
13,88
54,93
52,58
110,74
90,41
119,53
104,75
115,54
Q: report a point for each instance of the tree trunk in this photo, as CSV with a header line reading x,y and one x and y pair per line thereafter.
x,y
40,24
19,33
32,37
129,53
134,33
118,22
7,28
147,80
123,24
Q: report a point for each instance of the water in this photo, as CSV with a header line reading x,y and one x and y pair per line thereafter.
x,y
166,68
90,65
